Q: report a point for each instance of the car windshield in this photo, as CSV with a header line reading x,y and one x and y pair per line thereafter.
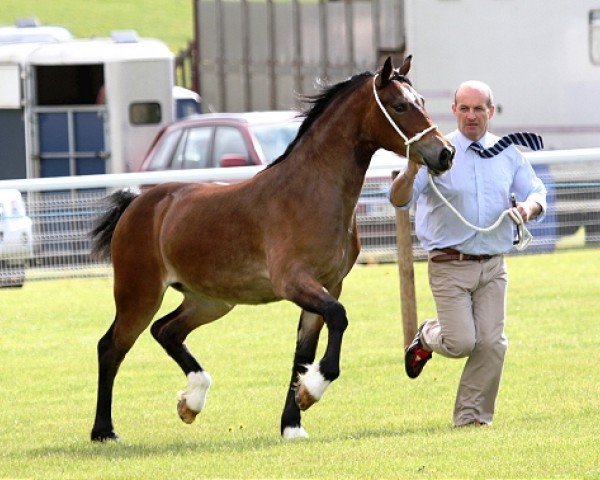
x,y
274,139
11,205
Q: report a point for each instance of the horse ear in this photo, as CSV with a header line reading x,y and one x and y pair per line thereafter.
x,y
385,74
405,66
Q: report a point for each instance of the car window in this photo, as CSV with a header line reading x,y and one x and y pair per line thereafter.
x,y
161,159
195,152
11,207
229,140
274,139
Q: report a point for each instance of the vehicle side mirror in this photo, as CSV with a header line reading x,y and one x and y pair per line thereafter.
x,y
233,160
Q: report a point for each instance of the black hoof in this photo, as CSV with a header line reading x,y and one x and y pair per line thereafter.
x,y
105,437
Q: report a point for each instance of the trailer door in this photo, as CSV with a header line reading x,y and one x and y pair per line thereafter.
x,y
12,129
69,123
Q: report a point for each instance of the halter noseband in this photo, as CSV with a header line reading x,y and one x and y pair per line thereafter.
x,y
407,141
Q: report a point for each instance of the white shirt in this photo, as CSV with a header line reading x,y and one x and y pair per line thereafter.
x,y
479,188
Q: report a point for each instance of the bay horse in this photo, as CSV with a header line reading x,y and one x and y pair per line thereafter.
x,y
288,233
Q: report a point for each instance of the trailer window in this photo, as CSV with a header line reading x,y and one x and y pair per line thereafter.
x,y
595,37
144,113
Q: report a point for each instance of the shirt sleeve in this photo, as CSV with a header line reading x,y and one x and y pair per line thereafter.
x,y
528,186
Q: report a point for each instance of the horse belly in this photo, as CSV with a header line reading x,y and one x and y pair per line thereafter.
x,y
235,286
218,264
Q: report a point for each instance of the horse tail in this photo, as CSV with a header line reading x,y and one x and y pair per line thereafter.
x,y
105,224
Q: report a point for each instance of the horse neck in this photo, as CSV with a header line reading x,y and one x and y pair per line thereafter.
x,y
336,150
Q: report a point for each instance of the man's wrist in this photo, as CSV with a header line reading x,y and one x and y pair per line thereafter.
x,y
411,170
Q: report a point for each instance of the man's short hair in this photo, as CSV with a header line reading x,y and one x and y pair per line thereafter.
x,y
477,85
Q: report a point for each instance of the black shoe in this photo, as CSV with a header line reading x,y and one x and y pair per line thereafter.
x,y
416,356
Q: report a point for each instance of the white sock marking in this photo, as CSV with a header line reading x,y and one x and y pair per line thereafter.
x,y
294,433
314,381
195,392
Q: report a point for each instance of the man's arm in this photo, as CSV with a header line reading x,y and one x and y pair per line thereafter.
x,y
402,187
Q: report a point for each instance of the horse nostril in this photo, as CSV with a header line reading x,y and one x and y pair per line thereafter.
x,y
446,156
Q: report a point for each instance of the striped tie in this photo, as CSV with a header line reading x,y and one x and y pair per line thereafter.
x,y
525,139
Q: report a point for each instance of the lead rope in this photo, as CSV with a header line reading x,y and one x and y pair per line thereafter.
x,y
523,234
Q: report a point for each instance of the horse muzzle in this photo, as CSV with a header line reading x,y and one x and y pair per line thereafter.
x,y
443,161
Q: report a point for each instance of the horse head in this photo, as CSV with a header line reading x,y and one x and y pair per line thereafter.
x,y
415,136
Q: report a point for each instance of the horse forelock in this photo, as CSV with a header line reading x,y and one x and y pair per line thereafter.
x,y
319,103
401,78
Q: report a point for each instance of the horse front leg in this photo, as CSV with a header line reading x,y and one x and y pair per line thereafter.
x,y
319,375
310,379
309,328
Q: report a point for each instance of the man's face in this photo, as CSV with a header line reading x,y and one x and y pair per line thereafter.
x,y
472,112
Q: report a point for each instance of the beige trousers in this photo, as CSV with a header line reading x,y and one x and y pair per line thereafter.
x,y
470,299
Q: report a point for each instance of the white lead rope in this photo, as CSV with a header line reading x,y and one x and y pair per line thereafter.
x,y
524,235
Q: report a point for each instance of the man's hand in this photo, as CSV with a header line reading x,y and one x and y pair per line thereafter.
x,y
528,210
401,191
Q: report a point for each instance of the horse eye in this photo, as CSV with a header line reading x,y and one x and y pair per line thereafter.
x,y
400,107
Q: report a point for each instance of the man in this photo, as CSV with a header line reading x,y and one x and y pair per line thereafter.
x,y
467,274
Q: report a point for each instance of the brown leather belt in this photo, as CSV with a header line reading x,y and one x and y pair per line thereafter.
x,y
449,254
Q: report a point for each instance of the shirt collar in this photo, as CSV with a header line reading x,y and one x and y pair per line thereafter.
x,y
462,142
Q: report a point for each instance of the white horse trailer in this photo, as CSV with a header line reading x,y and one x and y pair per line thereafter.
x,y
84,106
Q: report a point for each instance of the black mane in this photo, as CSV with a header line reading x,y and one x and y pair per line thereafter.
x,y
319,103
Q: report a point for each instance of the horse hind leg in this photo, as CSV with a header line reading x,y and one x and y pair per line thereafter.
x,y
112,348
136,303
170,332
109,360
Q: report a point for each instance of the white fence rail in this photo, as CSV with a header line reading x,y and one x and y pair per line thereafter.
x,y
62,211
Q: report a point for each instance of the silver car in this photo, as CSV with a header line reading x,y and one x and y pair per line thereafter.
x,y
16,239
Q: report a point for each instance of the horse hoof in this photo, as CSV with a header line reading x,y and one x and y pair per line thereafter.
x,y
304,399
105,437
188,416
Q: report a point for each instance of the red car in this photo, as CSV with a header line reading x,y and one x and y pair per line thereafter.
x,y
222,140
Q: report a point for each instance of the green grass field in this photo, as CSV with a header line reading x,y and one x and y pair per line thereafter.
x,y
372,423
169,20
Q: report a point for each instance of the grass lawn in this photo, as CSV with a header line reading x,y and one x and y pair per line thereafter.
x,y
169,20
372,423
